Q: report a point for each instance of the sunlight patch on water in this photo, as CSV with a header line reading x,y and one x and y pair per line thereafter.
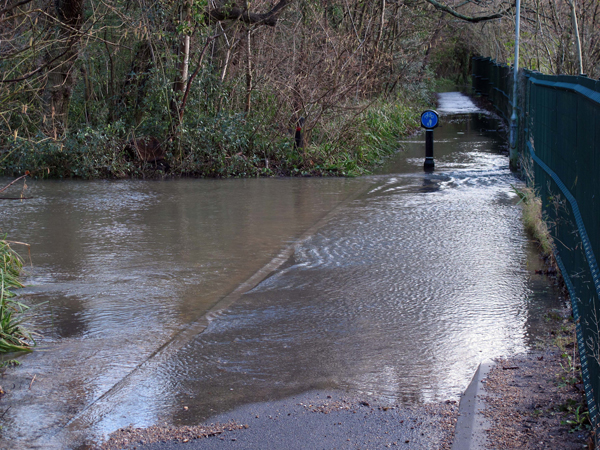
x,y
456,103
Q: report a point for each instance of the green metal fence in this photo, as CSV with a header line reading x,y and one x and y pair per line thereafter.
x,y
559,146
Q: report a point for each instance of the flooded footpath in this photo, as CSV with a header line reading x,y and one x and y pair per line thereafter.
x,y
173,302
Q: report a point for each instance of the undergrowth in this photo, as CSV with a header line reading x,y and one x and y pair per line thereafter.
x,y
13,336
575,411
348,142
354,146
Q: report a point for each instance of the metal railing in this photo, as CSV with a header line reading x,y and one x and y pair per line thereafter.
x,y
559,145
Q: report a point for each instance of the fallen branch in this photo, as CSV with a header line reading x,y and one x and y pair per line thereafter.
x,y
13,182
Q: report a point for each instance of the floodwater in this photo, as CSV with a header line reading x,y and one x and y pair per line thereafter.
x,y
215,293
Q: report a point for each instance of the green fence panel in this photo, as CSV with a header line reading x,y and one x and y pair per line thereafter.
x,y
559,140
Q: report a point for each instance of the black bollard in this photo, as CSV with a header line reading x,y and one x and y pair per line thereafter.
x,y
429,163
429,120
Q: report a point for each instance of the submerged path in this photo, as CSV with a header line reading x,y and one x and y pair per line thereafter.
x,y
396,286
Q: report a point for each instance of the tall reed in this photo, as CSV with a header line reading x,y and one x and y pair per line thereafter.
x,y
13,336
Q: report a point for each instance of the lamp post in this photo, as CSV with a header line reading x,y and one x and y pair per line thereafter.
x,y
514,127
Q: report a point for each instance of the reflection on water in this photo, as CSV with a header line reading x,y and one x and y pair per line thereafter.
x,y
401,293
456,103
120,267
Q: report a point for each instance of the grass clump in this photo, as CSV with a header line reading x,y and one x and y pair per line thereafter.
x,y
13,336
355,144
534,221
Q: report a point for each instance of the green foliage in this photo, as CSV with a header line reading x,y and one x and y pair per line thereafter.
x,y
88,153
451,59
126,85
335,15
13,337
363,141
445,84
213,143
579,417
9,363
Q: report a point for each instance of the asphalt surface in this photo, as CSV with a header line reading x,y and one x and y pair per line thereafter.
x,y
319,420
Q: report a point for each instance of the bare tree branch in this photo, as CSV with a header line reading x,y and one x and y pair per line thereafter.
x,y
16,5
446,8
237,13
39,69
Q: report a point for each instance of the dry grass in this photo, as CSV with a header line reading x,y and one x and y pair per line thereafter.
x,y
534,222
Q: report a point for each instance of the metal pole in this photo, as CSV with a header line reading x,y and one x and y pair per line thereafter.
x,y
429,163
514,156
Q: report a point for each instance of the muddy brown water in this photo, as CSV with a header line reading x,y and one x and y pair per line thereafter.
x,y
395,285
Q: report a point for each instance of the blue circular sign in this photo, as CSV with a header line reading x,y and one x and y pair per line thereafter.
x,y
430,119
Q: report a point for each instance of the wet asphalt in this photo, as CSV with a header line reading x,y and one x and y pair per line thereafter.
x,y
319,420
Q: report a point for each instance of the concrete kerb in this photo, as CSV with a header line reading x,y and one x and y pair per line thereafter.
x,y
472,425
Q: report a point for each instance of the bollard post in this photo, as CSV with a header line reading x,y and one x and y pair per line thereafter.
x,y
429,120
429,163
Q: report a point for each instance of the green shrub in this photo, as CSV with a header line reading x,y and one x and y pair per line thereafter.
x,y
13,337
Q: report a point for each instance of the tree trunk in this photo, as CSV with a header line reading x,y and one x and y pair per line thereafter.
x,y
60,59
381,25
577,38
248,73
183,53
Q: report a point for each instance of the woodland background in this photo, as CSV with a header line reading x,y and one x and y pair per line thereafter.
x,y
121,88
